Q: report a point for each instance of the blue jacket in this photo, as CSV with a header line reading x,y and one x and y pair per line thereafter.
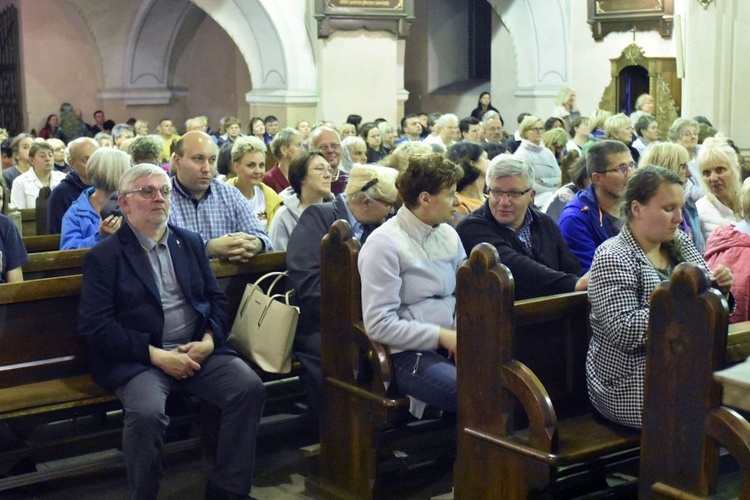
x,y
120,313
584,227
80,224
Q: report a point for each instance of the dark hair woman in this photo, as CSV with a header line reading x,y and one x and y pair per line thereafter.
x,y
484,104
625,271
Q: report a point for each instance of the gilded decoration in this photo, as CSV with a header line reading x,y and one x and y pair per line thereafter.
x,y
662,91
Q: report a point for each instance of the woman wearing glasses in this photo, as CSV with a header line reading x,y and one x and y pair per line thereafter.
x,y
720,177
625,271
408,268
547,174
82,226
310,179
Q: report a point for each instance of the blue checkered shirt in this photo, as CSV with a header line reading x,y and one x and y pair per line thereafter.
x,y
524,232
221,211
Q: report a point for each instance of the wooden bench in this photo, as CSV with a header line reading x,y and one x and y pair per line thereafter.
x,y
526,427
363,415
43,243
44,374
54,263
683,419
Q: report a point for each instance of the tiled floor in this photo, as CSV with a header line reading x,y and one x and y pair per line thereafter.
x,y
281,471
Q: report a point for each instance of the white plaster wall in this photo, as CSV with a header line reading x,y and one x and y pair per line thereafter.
x,y
357,74
716,71
59,61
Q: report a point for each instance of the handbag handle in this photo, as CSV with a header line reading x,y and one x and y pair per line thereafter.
x,y
284,296
277,274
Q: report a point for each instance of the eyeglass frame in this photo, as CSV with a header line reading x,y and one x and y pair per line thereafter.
x,y
511,195
144,192
623,169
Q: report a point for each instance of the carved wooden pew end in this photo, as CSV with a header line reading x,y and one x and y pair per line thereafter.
x,y
365,427
526,426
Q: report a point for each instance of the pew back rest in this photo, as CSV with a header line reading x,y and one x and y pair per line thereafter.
x,y
38,320
43,243
54,263
683,420
38,332
545,338
348,355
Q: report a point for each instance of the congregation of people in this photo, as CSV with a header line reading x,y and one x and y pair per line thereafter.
x,y
571,203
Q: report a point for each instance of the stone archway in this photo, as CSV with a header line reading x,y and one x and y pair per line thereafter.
x,y
272,39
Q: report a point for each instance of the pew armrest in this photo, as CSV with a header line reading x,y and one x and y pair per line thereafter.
x,y
543,431
380,368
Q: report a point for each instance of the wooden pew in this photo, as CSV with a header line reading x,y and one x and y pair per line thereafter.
x,y
524,412
363,415
43,243
44,374
54,263
683,419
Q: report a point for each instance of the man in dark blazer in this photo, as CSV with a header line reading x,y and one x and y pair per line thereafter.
x,y
155,321
527,240
370,194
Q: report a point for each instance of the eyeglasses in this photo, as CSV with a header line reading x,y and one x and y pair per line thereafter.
x,y
537,129
149,192
323,170
623,169
329,147
386,204
511,195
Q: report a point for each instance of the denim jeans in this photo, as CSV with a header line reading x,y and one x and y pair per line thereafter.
x,y
427,376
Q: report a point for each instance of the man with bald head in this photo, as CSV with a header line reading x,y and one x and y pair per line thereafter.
x,y
219,212
326,141
71,187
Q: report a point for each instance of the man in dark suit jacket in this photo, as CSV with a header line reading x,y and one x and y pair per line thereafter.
x,y
154,318
369,199
527,240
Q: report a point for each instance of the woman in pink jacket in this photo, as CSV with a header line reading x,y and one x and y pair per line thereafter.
x,y
730,245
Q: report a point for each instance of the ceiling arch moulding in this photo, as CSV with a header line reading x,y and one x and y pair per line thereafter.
x,y
540,42
148,52
274,40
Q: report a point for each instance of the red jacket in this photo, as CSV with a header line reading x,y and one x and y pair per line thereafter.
x,y
732,248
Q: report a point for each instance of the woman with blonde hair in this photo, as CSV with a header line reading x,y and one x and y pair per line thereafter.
x,y
555,140
547,173
141,127
730,245
596,126
284,146
249,167
720,177
387,135
675,158
566,106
